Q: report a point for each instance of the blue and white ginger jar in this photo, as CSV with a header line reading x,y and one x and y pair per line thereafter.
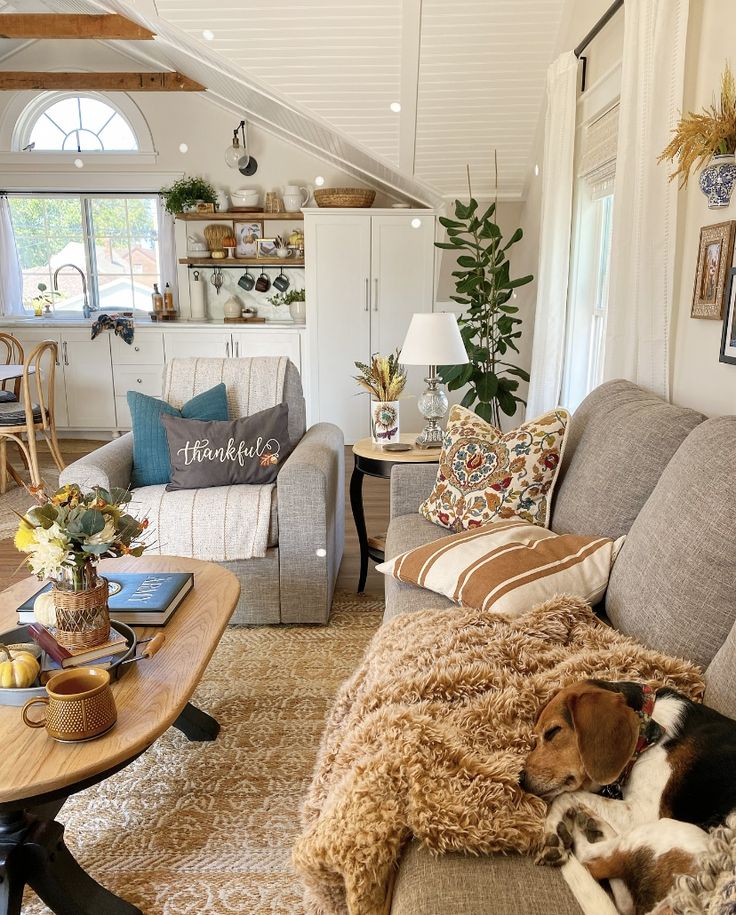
x,y
717,180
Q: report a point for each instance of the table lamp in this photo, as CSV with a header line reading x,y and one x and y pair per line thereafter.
x,y
432,340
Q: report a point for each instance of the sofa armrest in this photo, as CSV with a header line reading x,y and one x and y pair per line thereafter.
x,y
311,508
108,466
410,486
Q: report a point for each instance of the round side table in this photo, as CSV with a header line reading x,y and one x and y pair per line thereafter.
x,y
371,460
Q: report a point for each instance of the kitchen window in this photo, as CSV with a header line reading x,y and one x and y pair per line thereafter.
x,y
107,243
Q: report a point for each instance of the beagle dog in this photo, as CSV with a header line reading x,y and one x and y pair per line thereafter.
x,y
635,777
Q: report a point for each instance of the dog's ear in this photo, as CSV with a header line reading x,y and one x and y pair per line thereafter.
x,y
606,729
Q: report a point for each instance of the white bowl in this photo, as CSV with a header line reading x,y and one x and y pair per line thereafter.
x,y
244,198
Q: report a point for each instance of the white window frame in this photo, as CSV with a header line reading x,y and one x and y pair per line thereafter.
x,y
91,271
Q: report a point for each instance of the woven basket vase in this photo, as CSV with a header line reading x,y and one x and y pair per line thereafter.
x,y
82,617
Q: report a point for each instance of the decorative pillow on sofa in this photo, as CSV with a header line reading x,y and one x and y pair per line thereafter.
x,y
151,465
487,475
247,450
508,567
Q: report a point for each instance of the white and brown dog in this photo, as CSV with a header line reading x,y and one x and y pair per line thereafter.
x,y
667,766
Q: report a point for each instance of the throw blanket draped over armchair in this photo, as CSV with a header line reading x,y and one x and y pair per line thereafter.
x,y
430,734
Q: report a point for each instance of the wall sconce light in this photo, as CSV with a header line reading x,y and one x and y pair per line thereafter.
x,y
236,155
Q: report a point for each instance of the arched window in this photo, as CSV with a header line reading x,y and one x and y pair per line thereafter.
x,y
80,123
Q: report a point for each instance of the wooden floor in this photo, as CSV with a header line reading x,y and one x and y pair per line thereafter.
x,y
375,500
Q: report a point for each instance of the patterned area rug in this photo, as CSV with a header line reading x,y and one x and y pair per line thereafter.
x,y
16,499
207,829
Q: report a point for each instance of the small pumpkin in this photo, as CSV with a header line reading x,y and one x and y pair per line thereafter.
x,y
44,609
19,670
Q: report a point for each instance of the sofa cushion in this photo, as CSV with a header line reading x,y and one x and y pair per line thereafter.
x,y
673,586
404,533
620,440
456,884
507,567
720,678
485,474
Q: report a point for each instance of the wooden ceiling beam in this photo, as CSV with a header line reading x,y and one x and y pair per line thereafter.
x,y
169,81
71,25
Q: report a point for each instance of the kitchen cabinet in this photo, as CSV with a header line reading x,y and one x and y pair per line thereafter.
x,y
29,338
367,274
90,396
233,344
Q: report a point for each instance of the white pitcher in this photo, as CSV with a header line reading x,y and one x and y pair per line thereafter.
x,y
295,197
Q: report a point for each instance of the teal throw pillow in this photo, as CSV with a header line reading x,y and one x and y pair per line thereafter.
x,y
151,464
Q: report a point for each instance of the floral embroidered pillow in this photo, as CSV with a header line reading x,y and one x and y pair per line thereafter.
x,y
487,475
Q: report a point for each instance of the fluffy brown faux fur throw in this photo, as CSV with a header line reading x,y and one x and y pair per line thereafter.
x,y
429,735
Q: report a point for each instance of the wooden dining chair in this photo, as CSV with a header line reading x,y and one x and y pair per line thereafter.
x,y
33,415
11,353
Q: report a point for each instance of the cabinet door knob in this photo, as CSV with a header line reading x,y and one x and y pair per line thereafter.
x,y
375,294
227,350
139,380
367,294
137,349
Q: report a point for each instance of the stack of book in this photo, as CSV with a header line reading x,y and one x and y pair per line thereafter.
x,y
58,657
138,599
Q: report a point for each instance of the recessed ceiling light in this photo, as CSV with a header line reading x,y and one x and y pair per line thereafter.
x,y
395,107
79,163
319,180
536,170
208,35
416,222
183,148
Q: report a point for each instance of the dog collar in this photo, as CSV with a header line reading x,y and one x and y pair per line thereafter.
x,y
649,734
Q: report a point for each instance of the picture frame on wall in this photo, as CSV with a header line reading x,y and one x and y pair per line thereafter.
x,y
715,255
728,339
246,238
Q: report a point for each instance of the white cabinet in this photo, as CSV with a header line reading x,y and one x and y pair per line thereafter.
x,y
90,397
366,273
184,344
232,344
137,366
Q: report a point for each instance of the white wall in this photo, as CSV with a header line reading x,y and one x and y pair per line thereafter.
x,y
698,379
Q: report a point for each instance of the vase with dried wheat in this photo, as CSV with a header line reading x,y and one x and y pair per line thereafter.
x,y
384,379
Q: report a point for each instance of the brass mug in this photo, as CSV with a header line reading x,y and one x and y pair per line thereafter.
x,y
79,705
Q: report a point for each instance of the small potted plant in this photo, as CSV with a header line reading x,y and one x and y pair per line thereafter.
x,y
64,536
384,379
296,300
708,135
41,303
184,195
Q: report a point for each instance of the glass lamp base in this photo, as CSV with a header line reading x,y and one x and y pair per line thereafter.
x,y
433,406
430,436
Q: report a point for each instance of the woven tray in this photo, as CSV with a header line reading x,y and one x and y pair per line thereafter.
x,y
344,197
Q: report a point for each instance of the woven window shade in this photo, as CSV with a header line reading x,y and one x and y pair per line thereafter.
x,y
598,157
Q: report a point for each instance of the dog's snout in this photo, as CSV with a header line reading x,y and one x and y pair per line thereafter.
x,y
522,779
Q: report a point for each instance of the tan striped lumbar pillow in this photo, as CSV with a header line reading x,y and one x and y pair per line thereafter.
x,y
508,566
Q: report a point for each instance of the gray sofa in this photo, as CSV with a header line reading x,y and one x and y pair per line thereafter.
x,y
666,477
295,580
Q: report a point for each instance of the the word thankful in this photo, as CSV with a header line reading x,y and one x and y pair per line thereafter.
x,y
200,451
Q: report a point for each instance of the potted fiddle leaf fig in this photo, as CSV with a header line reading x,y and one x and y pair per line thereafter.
x,y
489,324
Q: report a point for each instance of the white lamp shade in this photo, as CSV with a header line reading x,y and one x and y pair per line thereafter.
x,y
433,339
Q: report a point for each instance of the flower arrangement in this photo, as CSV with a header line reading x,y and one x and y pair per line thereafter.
x,y
67,532
286,298
710,132
384,378
186,192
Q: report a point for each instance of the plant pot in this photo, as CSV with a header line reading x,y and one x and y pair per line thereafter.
x,y
384,421
717,180
82,614
298,312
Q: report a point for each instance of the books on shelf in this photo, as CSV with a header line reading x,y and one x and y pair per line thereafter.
x,y
71,657
136,598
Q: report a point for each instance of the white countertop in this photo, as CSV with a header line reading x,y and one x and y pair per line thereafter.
x,y
143,324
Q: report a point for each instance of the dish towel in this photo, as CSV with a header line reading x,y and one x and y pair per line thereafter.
x,y
123,327
224,523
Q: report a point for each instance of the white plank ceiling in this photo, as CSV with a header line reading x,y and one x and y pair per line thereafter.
x,y
470,76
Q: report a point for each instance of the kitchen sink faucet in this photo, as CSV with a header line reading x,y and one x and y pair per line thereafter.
x,y
87,309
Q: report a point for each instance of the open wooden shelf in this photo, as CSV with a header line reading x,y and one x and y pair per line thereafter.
x,y
243,261
230,216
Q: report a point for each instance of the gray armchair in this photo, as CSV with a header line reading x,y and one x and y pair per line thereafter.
x,y
295,580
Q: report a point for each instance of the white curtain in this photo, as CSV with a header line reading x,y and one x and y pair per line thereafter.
x,y
167,249
637,345
554,233
11,276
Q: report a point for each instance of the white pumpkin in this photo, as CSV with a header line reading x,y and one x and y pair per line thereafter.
x,y
44,609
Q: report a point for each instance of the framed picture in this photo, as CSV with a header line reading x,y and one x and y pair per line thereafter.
x,y
246,238
728,340
715,255
202,207
267,247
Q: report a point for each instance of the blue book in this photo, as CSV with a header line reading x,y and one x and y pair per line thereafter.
x,y
136,598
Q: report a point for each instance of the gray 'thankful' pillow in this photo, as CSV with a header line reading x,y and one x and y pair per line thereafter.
x,y
207,453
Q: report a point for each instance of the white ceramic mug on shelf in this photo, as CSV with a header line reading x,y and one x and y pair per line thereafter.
x,y
295,197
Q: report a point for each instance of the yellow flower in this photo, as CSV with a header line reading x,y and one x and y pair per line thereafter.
x,y
25,537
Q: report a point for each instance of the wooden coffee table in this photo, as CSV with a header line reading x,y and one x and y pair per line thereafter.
x,y
37,774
